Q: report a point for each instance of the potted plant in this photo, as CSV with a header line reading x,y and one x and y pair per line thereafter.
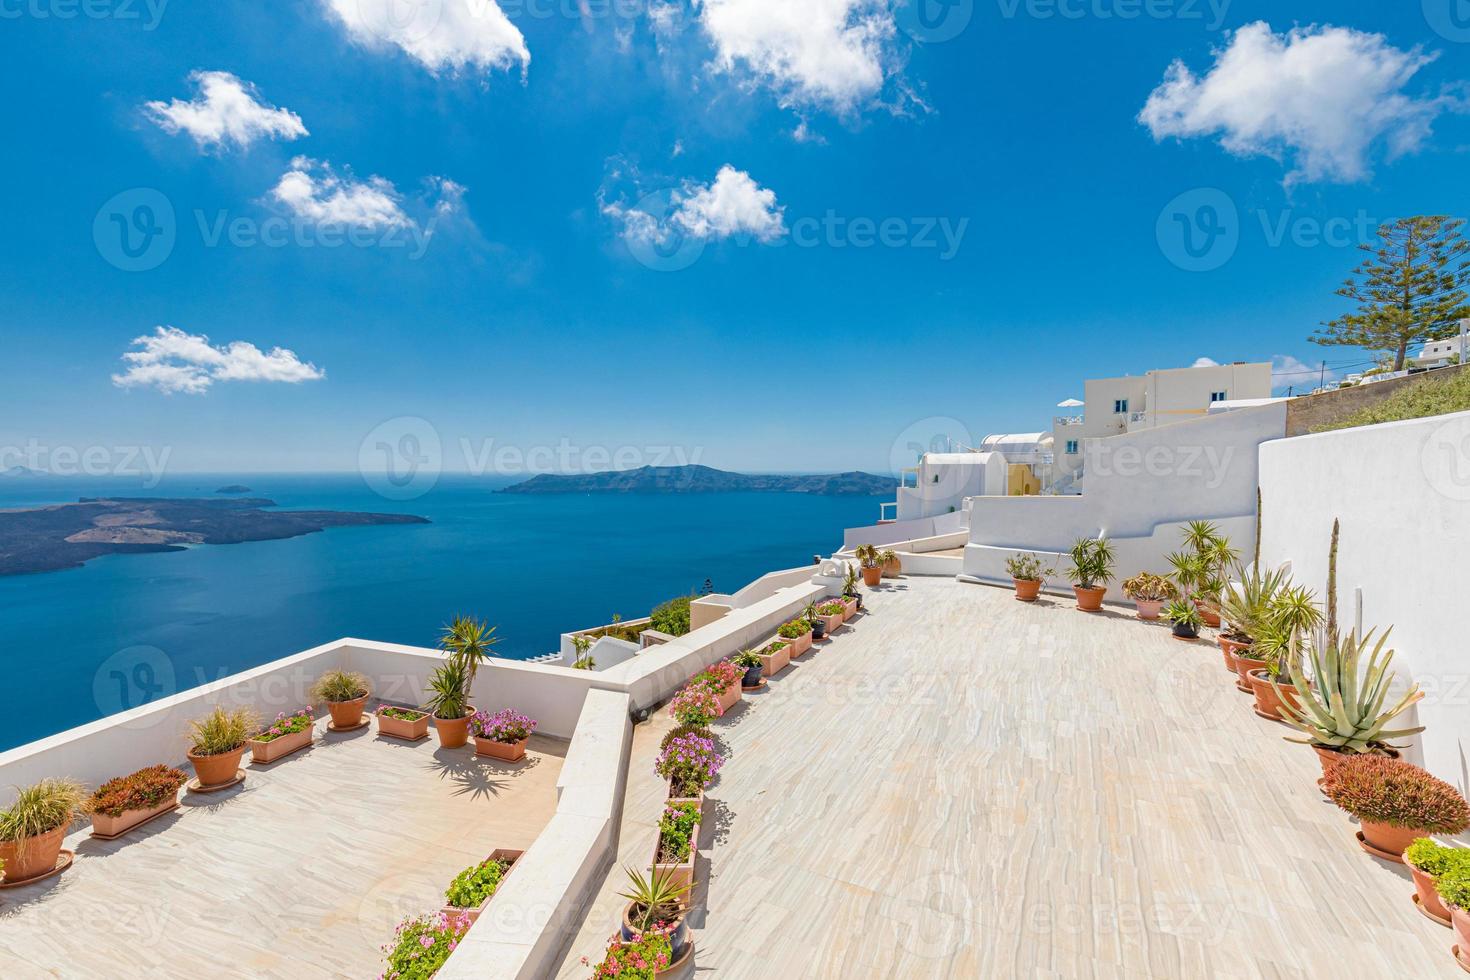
x,y
422,945
1092,570
345,694
869,557
1341,709
1028,575
449,703
128,802
1186,619
656,904
502,735
798,633
677,848
851,598
723,681
649,958
1454,892
774,657
690,762
217,742
815,623
695,704
287,734
831,615
892,567
1395,802
472,889
1149,592
1275,647
754,667
1428,861
33,828
1200,569
408,724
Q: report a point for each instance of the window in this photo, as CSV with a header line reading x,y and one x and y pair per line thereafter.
x,y
1219,396
1120,406
1071,447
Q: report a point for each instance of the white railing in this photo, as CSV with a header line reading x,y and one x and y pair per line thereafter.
x,y
1063,421
888,512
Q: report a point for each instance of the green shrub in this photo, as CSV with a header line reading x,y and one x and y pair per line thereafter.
x,y
1436,860
675,832
475,884
1426,398
222,731
671,617
337,686
42,808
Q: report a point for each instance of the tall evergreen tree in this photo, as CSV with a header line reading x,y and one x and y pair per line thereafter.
x,y
1410,290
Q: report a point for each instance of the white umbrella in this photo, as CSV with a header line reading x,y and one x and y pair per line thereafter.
x,y
1071,403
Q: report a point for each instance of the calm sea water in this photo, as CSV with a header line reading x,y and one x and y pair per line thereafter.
x,y
83,643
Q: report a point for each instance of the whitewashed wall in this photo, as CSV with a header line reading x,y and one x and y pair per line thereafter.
x,y
1402,493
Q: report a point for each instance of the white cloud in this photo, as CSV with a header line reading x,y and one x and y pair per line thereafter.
x,y
1202,362
1324,96
225,110
733,204
1290,372
444,35
833,54
177,362
314,192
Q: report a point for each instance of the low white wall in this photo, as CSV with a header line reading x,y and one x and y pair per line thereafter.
x,y
569,648
886,534
1402,493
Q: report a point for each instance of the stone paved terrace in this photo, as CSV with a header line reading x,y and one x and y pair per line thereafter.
x,y
959,785
304,871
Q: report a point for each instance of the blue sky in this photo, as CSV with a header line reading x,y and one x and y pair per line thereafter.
x,y
612,230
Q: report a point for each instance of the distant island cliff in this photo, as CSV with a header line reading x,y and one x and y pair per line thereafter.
x,y
43,539
705,479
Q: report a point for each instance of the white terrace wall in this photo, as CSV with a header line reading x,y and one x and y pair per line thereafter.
x,y
1402,493
887,534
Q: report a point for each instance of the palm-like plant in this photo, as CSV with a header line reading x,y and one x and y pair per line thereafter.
x,y
449,692
1201,535
656,897
467,642
1342,708
868,556
1092,563
1248,605
1189,571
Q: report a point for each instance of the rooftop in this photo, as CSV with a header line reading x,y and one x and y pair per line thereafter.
x,y
961,785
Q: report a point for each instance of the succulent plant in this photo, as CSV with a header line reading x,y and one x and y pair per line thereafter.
x,y
1388,791
1342,707
1436,860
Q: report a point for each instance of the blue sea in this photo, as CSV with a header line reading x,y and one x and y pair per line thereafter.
x,y
86,642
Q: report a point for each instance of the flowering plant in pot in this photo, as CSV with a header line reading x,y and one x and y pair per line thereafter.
x,y
33,828
502,735
648,958
216,744
405,723
690,762
1395,802
1429,861
753,667
695,704
677,848
345,694
1186,619
1149,592
774,657
830,616
656,904
871,559
798,633
449,703
472,889
1092,570
287,734
127,802
421,945
892,567
1028,574
723,681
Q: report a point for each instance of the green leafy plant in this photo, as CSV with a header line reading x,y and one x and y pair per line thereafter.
x,y
831,609
1378,789
887,557
422,945
1183,613
48,805
1342,707
747,660
1028,568
222,731
657,897
672,617
1454,890
849,581
675,832
795,628
1148,587
474,886
1190,571
449,692
468,643
143,790
1092,563
582,643
337,686
868,556
1438,861
400,714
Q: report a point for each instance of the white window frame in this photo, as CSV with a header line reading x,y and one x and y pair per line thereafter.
x,y
1120,406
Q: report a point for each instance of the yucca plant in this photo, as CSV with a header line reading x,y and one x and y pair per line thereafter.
x,y
468,642
337,686
1248,605
1092,563
222,731
868,556
1342,707
449,692
657,897
1189,571
40,809
1201,536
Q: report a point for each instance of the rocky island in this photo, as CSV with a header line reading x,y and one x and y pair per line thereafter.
x,y
705,479
43,539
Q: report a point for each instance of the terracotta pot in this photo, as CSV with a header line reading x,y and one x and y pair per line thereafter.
x,y
892,569
678,938
277,748
1209,614
1327,757
1027,591
39,859
454,733
1429,899
831,623
1267,701
216,770
1228,647
773,663
730,697
872,576
683,872
398,728
1089,600
474,914
849,607
504,751
1460,922
105,826
800,644
347,714
696,798
1149,609
1243,668
1390,840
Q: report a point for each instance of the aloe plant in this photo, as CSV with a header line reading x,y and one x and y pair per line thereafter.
x,y
1248,605
1342,708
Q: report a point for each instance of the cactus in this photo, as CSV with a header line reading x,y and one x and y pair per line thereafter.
x,y
1332,579
1342,707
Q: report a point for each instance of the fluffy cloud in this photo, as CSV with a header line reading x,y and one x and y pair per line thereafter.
x,y
314,192
225,110
446,35
1324,96
831,54
733,204
1201,362
177,362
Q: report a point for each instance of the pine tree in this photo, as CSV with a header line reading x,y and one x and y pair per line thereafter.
x,y
1411,289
